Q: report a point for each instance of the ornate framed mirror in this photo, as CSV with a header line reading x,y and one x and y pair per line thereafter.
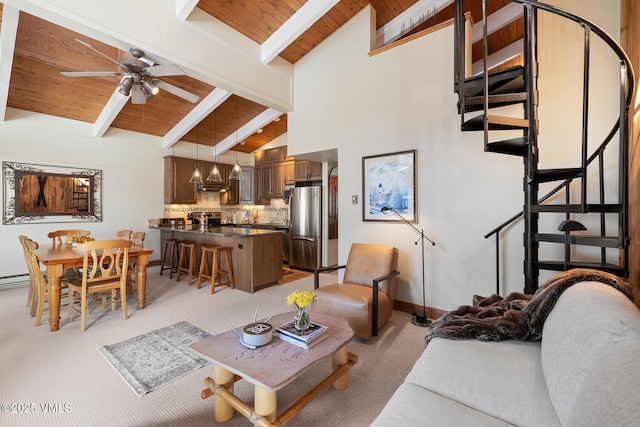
x,y
46,194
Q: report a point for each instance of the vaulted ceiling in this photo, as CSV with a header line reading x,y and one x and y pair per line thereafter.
x,y
39,40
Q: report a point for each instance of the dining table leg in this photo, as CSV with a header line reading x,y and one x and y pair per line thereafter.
x,y
141,279
54,273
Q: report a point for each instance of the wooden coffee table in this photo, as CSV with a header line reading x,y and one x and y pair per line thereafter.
x,y
271,367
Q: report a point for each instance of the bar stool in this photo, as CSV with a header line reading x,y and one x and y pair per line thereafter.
x,y
188,255
169,246
216,272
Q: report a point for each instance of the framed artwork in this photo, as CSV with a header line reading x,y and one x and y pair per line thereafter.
x,y
389,187
45,194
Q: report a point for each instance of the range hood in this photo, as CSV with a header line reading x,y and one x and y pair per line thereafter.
x,y
213,186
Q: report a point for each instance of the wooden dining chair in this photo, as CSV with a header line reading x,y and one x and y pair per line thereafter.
x,y
105,265
37,280
124,234
137,240
57,235
27,260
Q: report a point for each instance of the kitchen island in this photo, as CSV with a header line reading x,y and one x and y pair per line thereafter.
x,y
256,254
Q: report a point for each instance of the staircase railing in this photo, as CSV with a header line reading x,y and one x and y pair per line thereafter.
x,y
620,126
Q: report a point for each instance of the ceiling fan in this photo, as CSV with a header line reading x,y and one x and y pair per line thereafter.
x,y
138,76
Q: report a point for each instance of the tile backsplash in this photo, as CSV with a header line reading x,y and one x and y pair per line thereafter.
x,y
276,212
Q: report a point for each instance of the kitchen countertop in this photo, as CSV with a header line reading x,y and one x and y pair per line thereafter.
x,y
229,230
264,226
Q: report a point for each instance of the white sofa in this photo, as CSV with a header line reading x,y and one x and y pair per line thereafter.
x,y
585,371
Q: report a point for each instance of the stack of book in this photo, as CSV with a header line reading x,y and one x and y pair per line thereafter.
x,y
306,339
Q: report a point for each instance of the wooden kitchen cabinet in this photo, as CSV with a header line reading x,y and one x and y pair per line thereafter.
x,y
306,170
289,172
270,156
246,186
240,191
177,173
269,183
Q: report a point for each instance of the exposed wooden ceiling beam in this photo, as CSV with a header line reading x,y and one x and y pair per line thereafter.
x,y
500,57
8,33
195,116
412,16
499,19
184,8
258,122
109,113
304,18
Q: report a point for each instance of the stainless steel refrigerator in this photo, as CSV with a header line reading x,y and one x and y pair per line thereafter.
x,y
305,210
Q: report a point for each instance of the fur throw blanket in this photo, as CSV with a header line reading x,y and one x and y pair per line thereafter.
x,y
517,316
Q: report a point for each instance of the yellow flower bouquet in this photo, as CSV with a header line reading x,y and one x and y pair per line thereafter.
x,y
302,300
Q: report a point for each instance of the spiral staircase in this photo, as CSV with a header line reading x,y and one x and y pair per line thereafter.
x,y
479,98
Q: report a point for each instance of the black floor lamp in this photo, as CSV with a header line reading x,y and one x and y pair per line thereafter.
x,y
418,319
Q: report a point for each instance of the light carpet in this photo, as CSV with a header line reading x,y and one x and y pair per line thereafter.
x,y
153,359
64,367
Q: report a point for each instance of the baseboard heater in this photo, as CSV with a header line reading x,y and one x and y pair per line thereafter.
x,y
13,281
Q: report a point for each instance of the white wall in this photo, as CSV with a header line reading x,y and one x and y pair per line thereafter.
x,y
131,164
403,99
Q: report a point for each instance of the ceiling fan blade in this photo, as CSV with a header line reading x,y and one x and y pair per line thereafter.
x,y
88,46
177,91
89,73
165,70
137,96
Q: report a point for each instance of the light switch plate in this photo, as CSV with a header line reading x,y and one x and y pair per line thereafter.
x,y
354,200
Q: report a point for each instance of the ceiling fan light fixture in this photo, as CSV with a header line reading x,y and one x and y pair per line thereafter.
x,y
151,87
146,92
125,85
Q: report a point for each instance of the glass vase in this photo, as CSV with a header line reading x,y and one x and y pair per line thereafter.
x,y
301,321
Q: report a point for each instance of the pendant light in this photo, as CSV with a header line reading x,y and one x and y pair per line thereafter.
x,y
196,178
214,175
236,172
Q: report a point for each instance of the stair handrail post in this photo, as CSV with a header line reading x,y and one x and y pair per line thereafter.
x,y
459,55
627,80
530,187
485,54
498,262
585,116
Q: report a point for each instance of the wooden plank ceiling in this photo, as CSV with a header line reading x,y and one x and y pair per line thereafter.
x,y
43,50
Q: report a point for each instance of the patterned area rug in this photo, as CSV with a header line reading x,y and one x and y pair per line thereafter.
x,y
151,360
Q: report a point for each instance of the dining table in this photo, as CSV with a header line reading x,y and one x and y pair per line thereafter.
x,y
58,257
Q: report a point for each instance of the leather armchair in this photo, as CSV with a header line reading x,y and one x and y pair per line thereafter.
x,y
365,296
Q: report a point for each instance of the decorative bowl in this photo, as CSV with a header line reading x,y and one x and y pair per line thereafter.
x,y
257,334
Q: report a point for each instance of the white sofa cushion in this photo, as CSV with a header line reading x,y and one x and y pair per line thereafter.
x,y
412,405
590,334
502,379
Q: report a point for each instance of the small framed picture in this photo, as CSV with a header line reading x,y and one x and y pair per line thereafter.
x,y
389,187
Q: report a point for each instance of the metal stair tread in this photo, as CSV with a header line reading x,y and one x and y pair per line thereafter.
x,y
495,123
501,81
476,103
547,175
584,240
577,208
513,146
